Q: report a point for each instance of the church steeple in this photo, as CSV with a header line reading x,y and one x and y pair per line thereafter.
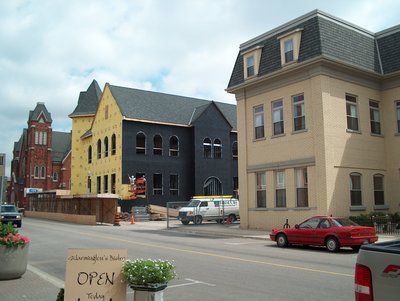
x,y
40,114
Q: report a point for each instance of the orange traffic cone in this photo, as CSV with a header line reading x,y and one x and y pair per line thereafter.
x,y
116,220
132,219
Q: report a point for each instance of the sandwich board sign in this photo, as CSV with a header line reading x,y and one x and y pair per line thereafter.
x,y
95,275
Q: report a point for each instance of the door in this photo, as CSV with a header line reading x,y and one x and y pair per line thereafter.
x,y
304,233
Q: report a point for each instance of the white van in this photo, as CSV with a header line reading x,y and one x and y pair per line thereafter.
x,y
218,208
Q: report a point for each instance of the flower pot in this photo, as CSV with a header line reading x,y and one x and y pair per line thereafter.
x,y
151,292
13,261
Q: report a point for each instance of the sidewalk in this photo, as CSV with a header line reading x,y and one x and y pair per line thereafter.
x,y
35,285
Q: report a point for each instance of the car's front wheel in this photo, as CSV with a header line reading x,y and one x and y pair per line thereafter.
x,y
281,241
332,244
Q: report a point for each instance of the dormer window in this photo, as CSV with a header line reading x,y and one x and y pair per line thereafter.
x,y
250,66
288,51
251,61
290,46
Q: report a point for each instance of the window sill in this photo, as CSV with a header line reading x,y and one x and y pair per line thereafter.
x,y
381,207
278,136
259,139
303,208
250,77
299,131
287,64
377,135
353,131
358,208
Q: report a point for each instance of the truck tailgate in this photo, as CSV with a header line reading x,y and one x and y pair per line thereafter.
x,y
383,260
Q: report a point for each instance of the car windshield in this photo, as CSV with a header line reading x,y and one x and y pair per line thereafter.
x,y
343,222
9,208
193,203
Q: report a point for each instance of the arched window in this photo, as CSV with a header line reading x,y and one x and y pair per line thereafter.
x,y
106,146
207,148
42,172
99,149
90,154
140,143
379,197
174,146
355,189
113,144
212,186
36,172
217,149
235,150
55,176
158,145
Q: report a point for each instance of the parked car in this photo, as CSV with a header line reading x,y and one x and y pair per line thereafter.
x,y
332,232
208,208
10,214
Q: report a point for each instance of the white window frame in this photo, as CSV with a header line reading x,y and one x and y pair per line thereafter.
x,y
251,61
261,189
280,185
288,50
352,113
174,190
293,37
379,189
375,118
355,189
258,117
302,186
250,66
158,190
298,104
277,117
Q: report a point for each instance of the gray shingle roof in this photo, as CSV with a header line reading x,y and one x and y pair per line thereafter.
x,y
325,35
39,109
165,108
88,101
61,144
389,49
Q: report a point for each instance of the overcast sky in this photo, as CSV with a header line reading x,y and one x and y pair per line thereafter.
x,y
50,50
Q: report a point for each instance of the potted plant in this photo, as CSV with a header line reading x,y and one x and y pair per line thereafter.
x,y
13,252
147,277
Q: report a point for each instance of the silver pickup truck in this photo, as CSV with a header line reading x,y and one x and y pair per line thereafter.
x,y
377,275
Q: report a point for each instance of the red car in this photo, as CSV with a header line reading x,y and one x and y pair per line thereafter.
x,y
332,232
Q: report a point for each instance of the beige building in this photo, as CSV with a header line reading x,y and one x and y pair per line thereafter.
x,y
318,104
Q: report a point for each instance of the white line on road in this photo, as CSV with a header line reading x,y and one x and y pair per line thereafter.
x,y
53,280
191,282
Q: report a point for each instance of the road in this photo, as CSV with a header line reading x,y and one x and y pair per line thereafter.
x,y
208,267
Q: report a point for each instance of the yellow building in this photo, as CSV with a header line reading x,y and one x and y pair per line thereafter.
x,y
181,146
318,104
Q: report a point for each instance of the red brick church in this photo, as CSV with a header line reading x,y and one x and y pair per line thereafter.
x,y
41,158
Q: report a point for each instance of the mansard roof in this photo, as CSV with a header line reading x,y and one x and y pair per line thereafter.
x,y
40,110
326,36
88,101
158,107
